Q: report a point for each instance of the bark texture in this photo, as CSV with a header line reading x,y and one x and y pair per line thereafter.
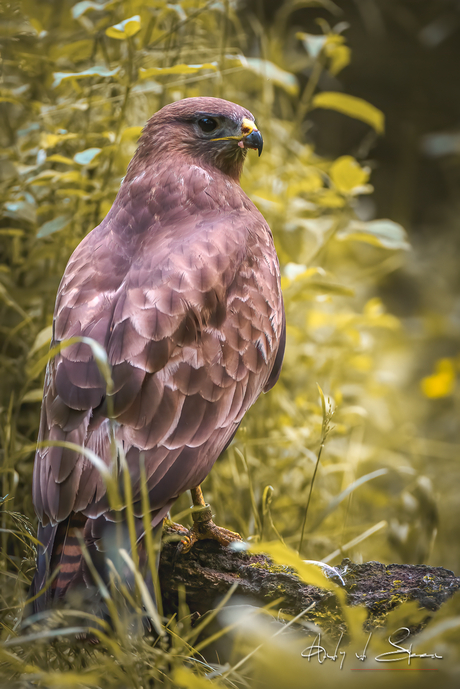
x,y
208,571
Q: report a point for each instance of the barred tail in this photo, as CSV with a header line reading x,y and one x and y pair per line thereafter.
x,y
67,553
59,547
60,556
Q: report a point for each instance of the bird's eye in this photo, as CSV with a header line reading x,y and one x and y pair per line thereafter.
x,y
208,124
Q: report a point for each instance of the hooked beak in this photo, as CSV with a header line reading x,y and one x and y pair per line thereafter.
x,y
252,138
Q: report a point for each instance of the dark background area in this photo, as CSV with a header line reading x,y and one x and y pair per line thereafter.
x,y
406,62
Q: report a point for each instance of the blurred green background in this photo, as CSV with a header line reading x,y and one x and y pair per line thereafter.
x,y
358,104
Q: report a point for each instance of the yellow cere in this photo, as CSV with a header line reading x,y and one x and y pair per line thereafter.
x,y
247,127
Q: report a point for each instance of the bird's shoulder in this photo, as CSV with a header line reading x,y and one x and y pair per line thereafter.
x,y
172,245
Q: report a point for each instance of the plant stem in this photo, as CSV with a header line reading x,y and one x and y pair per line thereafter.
x,y
310,493
307,96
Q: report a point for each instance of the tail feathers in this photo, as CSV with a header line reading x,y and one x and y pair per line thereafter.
x,y
59,548
46,536
60,556
67,554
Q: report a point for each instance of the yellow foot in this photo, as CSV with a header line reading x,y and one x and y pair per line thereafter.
x,y
203,528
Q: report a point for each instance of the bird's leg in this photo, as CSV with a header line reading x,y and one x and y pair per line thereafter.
x,y
203,526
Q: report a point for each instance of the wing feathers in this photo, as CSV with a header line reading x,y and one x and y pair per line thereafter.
x,y
190,316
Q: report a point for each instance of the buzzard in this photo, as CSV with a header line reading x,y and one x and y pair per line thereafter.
x,y
180,284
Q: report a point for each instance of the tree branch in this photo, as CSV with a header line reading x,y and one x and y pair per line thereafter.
x,y
208,571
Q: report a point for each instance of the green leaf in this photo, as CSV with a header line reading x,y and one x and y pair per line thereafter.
x,y
96,71
85,157
125,29
53,226
384,233
268,70
177,69
351,106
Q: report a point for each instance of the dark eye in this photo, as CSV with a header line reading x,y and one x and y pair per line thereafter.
x,y
207,124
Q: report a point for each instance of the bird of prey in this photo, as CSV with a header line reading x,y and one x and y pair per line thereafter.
x,y
180,284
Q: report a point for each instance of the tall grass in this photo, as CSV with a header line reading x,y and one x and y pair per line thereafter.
x,y
78,84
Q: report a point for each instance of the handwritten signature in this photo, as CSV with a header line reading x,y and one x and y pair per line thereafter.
x,y
316,650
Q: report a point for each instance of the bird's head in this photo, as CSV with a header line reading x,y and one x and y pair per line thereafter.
x,y
207,130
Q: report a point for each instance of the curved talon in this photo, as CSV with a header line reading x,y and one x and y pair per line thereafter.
x,y
203,527
201,530
204,530
187,542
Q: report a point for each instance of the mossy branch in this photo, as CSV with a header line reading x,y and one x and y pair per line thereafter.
x,y
208,572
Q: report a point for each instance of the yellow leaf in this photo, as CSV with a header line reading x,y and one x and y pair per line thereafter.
x,y
312,181
283,555
56,158
340,58
361,362
125,29
43,177
131,133
353,107
95,71
327,198
70,679
33,395
338,54
346,174
36,25
442,382
51,140
105,207
177,69
374,311
384,233
374,307
271,72
43,338
188,680
72,176
317,319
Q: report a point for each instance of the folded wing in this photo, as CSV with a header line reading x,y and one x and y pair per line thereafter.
x,y
191,322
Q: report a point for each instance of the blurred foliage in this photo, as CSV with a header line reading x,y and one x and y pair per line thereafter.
x,y
79,80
